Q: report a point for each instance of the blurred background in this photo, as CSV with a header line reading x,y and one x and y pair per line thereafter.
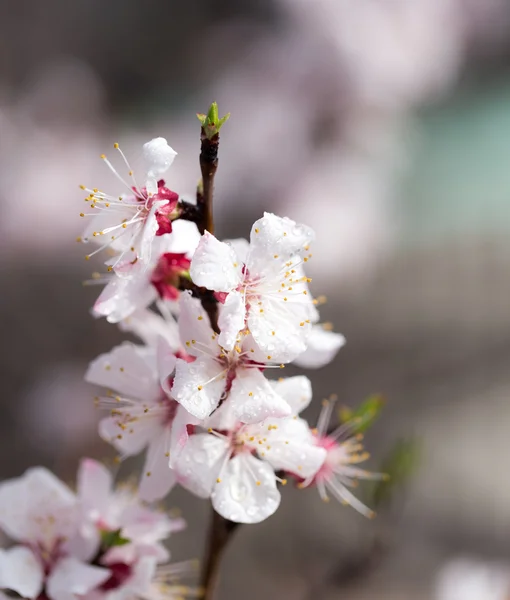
x,y
384,125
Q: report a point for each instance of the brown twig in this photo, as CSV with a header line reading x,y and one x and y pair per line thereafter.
x,y
208,167
220,532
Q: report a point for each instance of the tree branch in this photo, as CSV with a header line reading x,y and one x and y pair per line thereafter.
x,y
220,532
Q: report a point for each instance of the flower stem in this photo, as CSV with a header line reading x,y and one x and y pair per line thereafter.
x,y
208,167
220,532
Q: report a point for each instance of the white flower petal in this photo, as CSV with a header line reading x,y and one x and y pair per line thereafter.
x,y
194,325
123,295
166,364
241,247
21,572
198,386
157,478
127,369
37,507
272,235
322,347
184,238
94,483
158,156
146,243
247,491
131,439
215,265
200,461
296,391
223,418
290,446
254,399
231,320
71,578
179,435
149,327
280,329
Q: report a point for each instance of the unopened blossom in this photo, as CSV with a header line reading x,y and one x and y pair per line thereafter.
x,y
137,285
322,346
129,221
216,373
41,514
264,286
144,415
236,469
339,471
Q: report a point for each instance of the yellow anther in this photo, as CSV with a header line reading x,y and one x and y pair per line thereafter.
x,y
218,480
200,318
82,214
82,187
116,146
110,269
250,394
103,156
78,239
275,256
302,324
124,225
273,332
200,388
284,482
258,482
268,357
148,473
285,299
256,230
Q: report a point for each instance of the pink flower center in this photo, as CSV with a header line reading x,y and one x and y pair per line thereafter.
x,y
120,573
165,277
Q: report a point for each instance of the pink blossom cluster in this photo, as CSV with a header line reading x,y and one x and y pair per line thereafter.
x,y
98,543
195,395
213,319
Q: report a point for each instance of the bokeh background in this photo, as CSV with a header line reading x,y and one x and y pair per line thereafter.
x,y
383,124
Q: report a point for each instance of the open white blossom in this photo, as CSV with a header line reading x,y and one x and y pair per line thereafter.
x,y
200,385
144,414
105,508
102,543
235,464
237,469
338,471
130,221
321,347
266,287
41,513
136,287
